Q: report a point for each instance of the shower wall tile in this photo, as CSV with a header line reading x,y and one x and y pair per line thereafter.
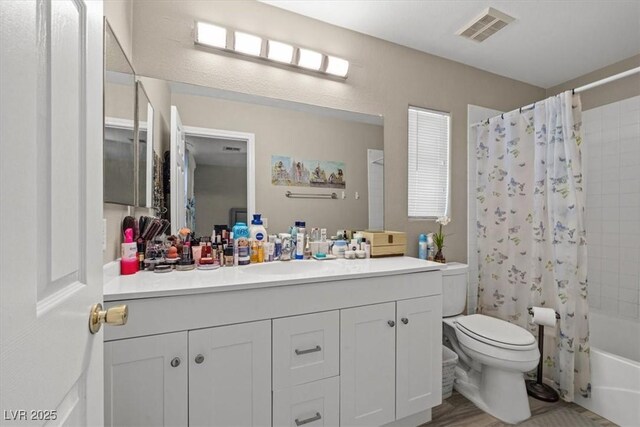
x,y
611,156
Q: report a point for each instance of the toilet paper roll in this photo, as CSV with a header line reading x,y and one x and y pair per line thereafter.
x,y
544,316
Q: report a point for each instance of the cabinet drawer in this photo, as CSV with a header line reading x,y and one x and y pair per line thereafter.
x,y
314,404
305,348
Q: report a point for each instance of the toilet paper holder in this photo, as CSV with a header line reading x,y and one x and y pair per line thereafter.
x,y
530,310
537,389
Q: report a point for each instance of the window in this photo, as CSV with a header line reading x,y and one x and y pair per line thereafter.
x,y
429,141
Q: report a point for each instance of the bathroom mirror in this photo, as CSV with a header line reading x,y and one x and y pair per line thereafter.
x,y
145,143
119,123
235,154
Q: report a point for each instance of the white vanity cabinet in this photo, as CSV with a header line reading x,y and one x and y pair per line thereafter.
x,y
145,381
368,364
396,342
418,355
230,375
364,351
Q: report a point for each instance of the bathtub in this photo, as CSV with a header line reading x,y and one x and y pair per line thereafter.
x,y
615,370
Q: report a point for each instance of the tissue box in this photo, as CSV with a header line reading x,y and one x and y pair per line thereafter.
x,y
386,243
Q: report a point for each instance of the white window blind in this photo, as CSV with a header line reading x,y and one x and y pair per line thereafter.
x,y
429,140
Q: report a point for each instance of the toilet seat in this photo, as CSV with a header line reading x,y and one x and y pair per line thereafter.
x,y
495,332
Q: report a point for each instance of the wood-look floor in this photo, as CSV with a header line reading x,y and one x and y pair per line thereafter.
x,y
457,411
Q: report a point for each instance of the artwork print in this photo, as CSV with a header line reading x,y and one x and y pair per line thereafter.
x,y
290,171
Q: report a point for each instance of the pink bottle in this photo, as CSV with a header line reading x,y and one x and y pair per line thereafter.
x,y
128,255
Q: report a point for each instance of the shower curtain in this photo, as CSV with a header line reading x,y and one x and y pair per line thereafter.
x,y
531,229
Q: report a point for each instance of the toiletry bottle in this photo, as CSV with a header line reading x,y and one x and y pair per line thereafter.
x,y
293,231
307,249
141,250
287,248
277,250
270,249
241,243
323,234
300,242
261,252
339,247
254,252
422,246
257,231
430,247
128,255
228,256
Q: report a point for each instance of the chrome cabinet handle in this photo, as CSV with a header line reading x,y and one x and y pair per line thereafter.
x,y
307,351
391,323
199,359
175,362
316,417
405,320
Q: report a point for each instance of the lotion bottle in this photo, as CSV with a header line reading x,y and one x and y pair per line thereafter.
x,y
257,231
128,254
300,243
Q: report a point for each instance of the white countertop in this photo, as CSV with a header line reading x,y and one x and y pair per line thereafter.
x,y
147,284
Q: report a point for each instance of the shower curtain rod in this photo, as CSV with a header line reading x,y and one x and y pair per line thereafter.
x,y
579,89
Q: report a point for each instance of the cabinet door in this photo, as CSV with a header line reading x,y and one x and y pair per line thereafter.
x,y
419,355
145,381
367,365
314,404
230,375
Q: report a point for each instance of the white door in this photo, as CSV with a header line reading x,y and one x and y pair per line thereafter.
x,y
367,365
51,211
178,173
419,355
230,375
146,381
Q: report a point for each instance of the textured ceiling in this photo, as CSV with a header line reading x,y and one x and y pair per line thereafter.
x,y
549,42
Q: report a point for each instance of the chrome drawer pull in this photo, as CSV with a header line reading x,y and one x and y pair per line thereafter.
x,y
307,351
316,417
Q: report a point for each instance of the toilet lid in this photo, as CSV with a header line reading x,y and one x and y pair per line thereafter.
x,y
494,331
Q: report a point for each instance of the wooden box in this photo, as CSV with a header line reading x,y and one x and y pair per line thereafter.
x,y
386,243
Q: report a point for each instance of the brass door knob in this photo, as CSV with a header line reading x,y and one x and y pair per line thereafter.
x,y
115,316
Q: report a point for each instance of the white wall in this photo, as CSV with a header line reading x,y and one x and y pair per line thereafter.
x,y
612,170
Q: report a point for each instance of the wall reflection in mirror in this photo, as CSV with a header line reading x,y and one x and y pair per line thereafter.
x,y
222,161
119,123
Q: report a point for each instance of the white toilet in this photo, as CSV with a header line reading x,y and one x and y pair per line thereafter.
x,y
493,354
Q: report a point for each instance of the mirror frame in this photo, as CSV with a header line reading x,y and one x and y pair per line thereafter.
x,y
147,200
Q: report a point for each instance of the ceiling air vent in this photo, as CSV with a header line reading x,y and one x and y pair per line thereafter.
x,y
485,25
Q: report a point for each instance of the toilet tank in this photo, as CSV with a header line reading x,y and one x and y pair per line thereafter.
x,y
454,289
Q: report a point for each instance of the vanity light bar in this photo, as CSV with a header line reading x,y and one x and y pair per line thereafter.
x,y
247,43
279,52
243,43
211,35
